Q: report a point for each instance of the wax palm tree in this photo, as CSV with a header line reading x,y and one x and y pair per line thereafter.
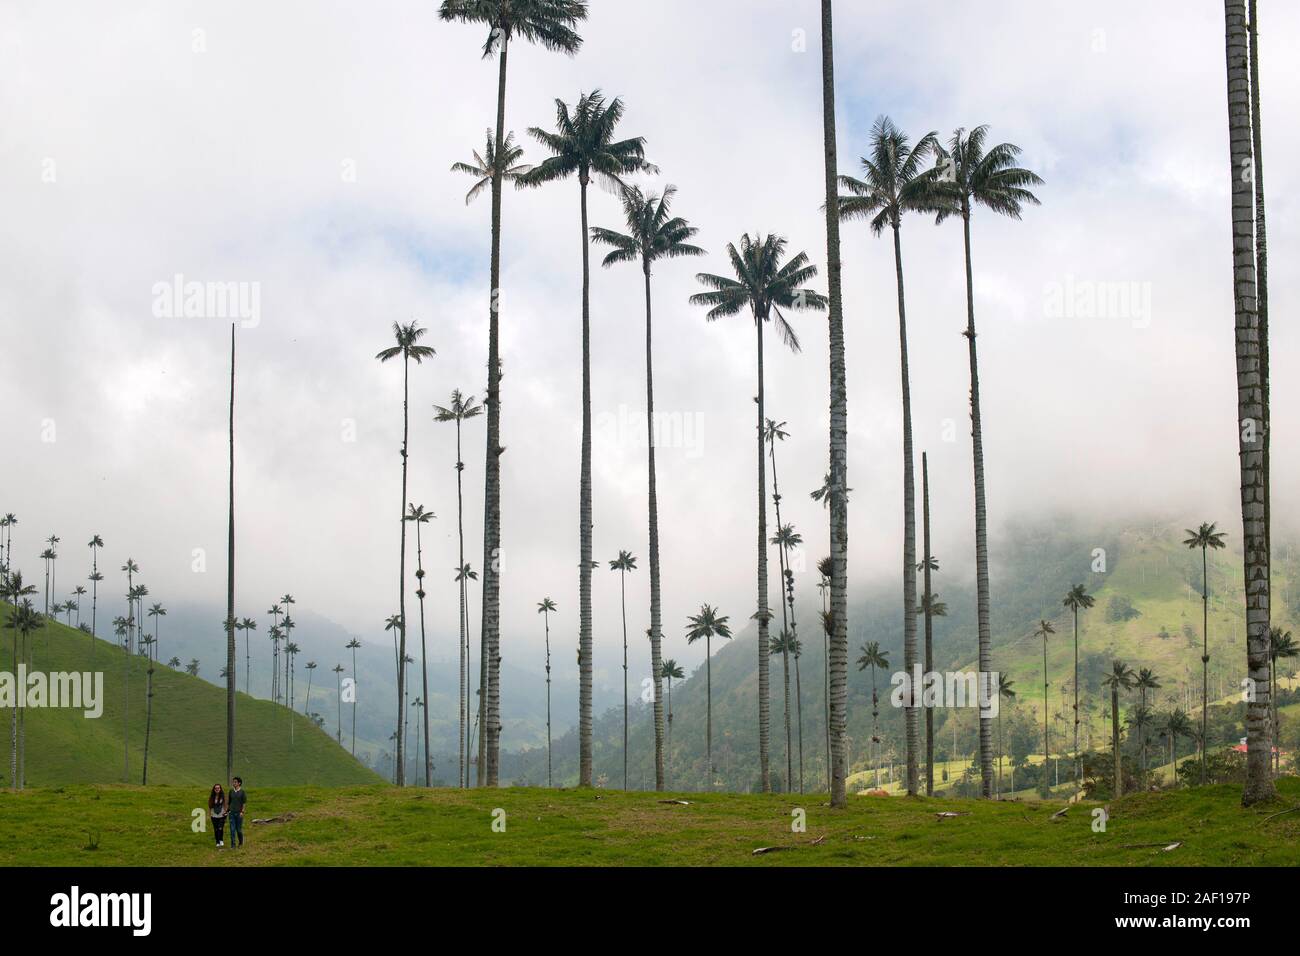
x,y
287,627
1146,680
1261,266
583,144
546,607
1280,645
96,542
463,577
149,642
246,625
338,697
486,166
8,523
291,650
786,539
873,657
418,516
1007,692
407,347
24,620
53,541
1075,599
625,562
1174,725
896,181
1043,630
783,644
824,568
192,668
16,592
174,663
131,569
1140,719
457,410
78,592
1121,677
1207,538
653,233
552,24
764,285
973,176
275,611
708,624
48,557
306,701
352,645
670,670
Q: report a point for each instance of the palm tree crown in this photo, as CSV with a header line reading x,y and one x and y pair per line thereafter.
x,y
406,346
652,231
548,22
485,165
763,284
895,179
708,623
583,143
972,175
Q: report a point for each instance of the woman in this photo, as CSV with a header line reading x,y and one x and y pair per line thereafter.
x,y
217,810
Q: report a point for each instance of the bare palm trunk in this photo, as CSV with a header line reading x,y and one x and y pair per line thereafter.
x,y
490,659
547,618
1261,277
910,714
424,667
401,590
764,685
1252,420
1114,740
584,514
798,706
1078,761
354,702
1205,656
656,603
148,721
786,634
708,700
622,585
929,619
981,521
230,582
462,702
838,640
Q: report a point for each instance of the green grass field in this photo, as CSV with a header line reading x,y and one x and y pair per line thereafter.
x,y
385,826
188,735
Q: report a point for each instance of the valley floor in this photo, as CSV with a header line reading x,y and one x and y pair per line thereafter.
x,y
134,826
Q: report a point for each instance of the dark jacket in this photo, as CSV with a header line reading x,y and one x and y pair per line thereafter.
x,y
236,800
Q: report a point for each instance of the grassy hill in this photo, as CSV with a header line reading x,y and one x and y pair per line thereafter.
x,y
353,826
187,744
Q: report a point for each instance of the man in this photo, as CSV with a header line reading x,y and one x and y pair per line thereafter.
x,y
238,798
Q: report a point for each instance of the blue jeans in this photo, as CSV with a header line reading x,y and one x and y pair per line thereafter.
x,y
236,828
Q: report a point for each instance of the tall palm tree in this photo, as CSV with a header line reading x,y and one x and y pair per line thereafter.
x,y
1146,680
150,643
824,568
23,621
1006,691
418,516
486,166
53,540
928,565
96,542
407,347
1172,726
459,409
463,577
671,671
1075,599
47,556
708,624
13,590
1043,630
978,177
545,607
174,663
783,644
246,625
192,668
552,24
306,701
1121,677
1280,645
653,233
286,628
583,144
275,611
338,697
625,562
10,519
786,539
873,657
1207,538
896,181
352,645
764,285
78,592
120,628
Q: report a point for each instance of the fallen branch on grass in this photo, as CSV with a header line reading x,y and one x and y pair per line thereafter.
x,y
1166,846
684,803
282,818
950,813
1280,812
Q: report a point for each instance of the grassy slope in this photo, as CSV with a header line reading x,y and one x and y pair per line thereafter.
x,y
188,737
384,826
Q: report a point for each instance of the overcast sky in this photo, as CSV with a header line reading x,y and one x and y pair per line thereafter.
x,y
303,148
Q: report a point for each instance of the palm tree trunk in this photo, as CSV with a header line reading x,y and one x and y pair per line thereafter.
x,y
1114,739
838,651
622,585
1205,655
981,518
13,717
354,702
584,513
424,667
230,582
1252,412
798,704
148,722
929,618
1261,277
670,723
708,701
782,565
1046,746
401,589
764,685
547,619
910,713
1078,762
490,663
656,603
462,702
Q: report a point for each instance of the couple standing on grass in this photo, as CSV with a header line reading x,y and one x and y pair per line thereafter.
x,y
222,805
